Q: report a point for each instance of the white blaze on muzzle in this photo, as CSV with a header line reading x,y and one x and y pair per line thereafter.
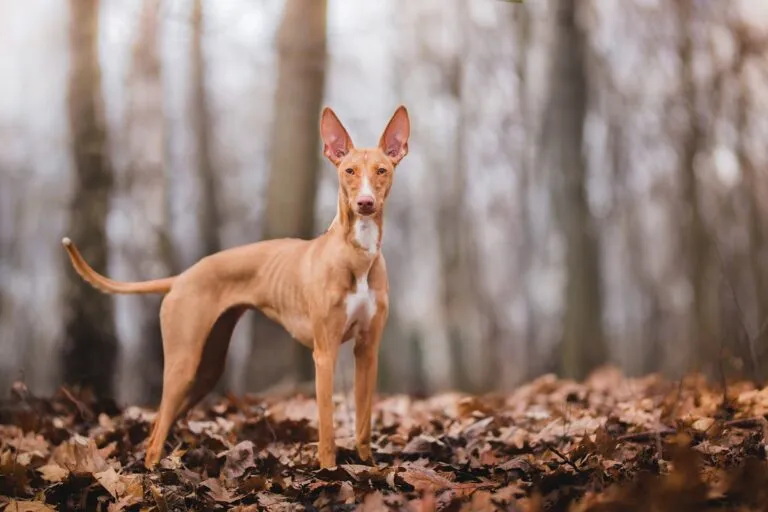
x,y
365,189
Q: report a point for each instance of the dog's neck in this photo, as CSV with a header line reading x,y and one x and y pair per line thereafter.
x,y
362,233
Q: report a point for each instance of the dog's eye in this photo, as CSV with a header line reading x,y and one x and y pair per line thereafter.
x,y
381,172
350,171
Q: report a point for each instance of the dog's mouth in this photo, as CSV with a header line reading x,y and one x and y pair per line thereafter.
x,y
366,212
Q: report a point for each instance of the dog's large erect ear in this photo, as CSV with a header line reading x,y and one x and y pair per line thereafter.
x,y
394,140
336,140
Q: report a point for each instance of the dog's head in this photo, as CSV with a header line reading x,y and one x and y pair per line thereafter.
x,y
365,174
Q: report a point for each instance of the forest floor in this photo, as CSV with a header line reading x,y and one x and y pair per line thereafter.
x,y
609,443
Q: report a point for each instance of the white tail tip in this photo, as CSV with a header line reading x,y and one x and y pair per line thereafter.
x,y
66,242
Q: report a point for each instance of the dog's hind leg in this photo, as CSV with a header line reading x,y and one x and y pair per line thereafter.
x,y
214,358
185,326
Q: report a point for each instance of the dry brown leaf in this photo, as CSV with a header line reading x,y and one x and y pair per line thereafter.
x,y
426,503
14,475
245,508
270,500
423,479
108,450
372,502
346,493
703,424
521,463
217,491
53,472
480,502
126,489
160,501
253,483
708,448
79,455
110,480
33,444
28,506
239,459
360,472
423,444
509,493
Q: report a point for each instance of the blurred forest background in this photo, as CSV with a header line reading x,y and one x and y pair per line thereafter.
x,y
586,180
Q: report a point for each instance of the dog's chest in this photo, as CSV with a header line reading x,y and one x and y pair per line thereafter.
x,y
367,235
361,306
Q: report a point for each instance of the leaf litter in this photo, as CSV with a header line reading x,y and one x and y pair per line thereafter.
x,y
608,443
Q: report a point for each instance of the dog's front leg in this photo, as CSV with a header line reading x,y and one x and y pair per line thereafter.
x,y
366,371
324,353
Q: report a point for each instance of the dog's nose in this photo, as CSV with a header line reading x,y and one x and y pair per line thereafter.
x,y
365,202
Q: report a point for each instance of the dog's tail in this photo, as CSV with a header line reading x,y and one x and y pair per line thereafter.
x,y
106,284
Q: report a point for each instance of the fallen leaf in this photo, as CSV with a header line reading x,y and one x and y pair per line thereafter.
x,y
110,480
28,506
423,444
509,493
703,424
346,493
270,500
217,491
79,455
245,508
239,459
34,444
372,502
423,479
53,472
360,472
160,501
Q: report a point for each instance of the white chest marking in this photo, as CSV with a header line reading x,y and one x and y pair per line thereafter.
x,y
367,235
361,304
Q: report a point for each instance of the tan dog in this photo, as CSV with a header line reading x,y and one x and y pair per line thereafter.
x,y
324,292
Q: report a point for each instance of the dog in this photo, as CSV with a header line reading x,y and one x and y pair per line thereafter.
x,y
324,292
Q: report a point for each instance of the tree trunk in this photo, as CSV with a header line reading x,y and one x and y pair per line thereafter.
x,y
756,341
583,346
697,247
90,345
527,164
295,159
209,216
145,186
456,238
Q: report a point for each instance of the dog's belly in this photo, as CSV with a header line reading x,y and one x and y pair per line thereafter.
x,y
298,326
360,308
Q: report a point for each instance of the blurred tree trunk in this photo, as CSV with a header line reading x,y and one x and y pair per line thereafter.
x,y
146,187
697,248
90,345
583,345
295,146
209,215
457,241
527,165
753,191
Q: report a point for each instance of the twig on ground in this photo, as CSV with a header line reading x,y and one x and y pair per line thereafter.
x,y
81,408
647,436
562,457
757,421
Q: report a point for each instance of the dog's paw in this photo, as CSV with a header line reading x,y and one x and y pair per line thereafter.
x,y
366,455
